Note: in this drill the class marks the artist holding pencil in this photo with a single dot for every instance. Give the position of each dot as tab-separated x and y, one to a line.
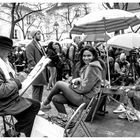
23	109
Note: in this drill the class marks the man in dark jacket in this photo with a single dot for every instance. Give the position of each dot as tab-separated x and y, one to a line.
23	109
34	53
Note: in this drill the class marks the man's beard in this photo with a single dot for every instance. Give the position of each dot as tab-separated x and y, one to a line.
38	39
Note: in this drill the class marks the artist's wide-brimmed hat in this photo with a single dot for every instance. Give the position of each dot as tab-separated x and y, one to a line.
6	43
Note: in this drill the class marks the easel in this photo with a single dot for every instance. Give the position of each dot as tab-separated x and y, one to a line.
40	66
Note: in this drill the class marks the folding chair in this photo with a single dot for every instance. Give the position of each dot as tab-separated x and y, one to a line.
88	112
94	105
8	125
78	119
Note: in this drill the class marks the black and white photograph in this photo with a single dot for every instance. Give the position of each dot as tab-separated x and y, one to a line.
70	69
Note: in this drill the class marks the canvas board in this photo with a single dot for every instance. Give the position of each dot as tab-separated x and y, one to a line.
40	66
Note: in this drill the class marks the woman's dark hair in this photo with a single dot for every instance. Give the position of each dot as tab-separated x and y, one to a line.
80	45
56	43
50	45
92	50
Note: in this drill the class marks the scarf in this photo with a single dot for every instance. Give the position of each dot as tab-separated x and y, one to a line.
6	68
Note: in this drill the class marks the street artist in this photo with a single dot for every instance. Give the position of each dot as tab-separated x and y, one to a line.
23	109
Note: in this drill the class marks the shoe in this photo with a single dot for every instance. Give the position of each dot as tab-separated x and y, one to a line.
137	113
63	117
48	106
46	102
122	116
131	116
119	109
41	112
128	115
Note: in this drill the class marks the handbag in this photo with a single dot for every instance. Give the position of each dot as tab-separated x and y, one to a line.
45	128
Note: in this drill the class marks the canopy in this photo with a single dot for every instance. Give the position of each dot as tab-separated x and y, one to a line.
105	21
127	41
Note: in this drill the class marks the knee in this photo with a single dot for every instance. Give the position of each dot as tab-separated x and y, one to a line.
58	99
59	83
54	99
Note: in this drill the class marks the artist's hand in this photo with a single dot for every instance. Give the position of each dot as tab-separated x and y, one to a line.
21	76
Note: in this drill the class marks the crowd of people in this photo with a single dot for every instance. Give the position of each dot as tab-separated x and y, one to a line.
86	64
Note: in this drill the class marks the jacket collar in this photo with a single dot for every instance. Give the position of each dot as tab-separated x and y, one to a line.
36	44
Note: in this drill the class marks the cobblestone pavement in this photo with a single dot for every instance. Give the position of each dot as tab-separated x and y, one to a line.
103	126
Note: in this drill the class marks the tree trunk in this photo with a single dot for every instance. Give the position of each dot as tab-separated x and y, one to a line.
12	30
70	35
12	21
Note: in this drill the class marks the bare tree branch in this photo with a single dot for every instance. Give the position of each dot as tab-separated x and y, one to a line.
5	13
5	20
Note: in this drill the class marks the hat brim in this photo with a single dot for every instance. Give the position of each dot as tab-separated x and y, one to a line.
6	48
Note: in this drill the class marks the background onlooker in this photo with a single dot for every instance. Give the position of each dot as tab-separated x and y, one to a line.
34	53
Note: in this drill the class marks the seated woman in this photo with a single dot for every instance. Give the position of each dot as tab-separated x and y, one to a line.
80	89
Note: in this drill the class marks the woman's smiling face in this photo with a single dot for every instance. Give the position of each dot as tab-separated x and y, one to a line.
87	57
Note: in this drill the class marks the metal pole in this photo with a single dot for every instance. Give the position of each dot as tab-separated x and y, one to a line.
108	67
57	34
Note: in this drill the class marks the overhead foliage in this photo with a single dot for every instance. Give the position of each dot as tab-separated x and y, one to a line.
19	11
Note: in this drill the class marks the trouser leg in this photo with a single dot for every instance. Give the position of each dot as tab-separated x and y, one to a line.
126	97
69	94
59	101
37	92
52	78
26	118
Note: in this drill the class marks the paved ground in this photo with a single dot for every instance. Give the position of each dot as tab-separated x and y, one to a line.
103	126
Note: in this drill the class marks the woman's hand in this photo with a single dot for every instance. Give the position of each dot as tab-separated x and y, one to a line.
75	80
75	83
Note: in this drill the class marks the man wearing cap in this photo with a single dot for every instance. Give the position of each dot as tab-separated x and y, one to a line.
23	109
122	65
34	53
